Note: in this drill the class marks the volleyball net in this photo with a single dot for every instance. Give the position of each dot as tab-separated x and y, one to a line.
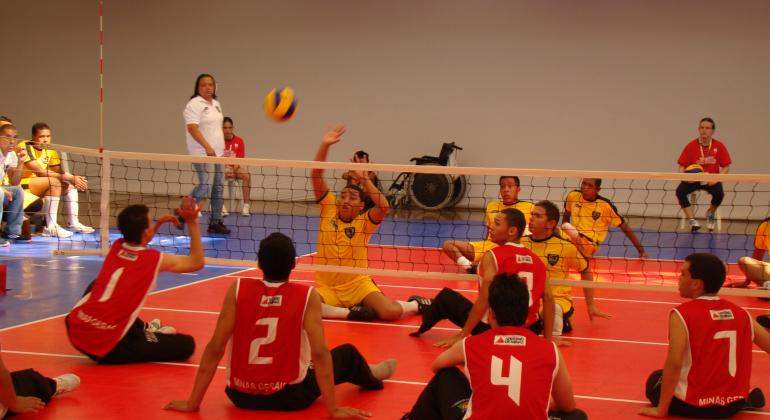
429	205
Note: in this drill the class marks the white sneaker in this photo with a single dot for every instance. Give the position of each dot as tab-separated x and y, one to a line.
155	326
79	227
66	383
711	221
225	213
246	210
56	230
570	231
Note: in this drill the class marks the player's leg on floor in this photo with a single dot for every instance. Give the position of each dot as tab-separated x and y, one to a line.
386	308
459	251
140	345
30	383
756	271
445	397
351	367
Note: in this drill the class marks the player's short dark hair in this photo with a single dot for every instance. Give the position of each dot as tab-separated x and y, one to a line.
551	211
514	177
228	120
361	193
509	300
708	268
276	256
39	126
515	218
198	80
709	119
597	182
6	119
132	221
7	127
361	154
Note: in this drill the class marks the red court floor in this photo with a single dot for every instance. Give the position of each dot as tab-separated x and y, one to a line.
609	359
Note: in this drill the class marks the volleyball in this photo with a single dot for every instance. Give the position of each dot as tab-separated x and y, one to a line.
281	104
694	169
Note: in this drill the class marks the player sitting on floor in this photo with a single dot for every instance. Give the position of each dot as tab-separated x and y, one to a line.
278	355
343	237
708	367
485	391
45	179
467	254
27	391
103	324
588	217
560	256
507	257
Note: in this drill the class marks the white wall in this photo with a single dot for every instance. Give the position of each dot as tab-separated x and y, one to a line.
607	85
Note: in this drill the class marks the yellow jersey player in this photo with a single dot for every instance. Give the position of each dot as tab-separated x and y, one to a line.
560	257
344	230
754	267
468	254
588	217
45	180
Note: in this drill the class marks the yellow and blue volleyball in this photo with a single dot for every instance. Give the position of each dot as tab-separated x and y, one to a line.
281	104
694	169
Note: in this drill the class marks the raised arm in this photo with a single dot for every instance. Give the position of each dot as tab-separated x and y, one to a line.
186	263
332	136
211	356
381	206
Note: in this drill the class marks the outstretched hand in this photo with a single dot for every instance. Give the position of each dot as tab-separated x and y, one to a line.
333	135
189	209
594	311
350	413
180	405
449	342
27	405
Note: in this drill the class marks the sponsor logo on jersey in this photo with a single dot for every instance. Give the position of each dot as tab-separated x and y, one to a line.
510	340
523	259
128	255
553	259
350	232
268	301
722	315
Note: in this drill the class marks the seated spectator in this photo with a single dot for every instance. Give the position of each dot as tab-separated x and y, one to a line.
11	194
45	180
234	147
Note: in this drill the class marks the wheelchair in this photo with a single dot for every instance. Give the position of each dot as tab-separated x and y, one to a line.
429	191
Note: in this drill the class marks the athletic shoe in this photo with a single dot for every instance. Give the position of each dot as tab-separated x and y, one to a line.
218	228
694	225
79	227
764	320
246	211
153	325
755	400
711	221
473	269
56	230
422	302
570	231
361	313
566	326
225	213
66	383
4	243
18	238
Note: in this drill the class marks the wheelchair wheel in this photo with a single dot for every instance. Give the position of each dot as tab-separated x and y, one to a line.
430	191
459	190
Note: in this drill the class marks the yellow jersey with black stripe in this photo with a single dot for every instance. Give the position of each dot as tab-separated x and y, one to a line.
45	158
592	218
762	238
342	243
495	207
560	257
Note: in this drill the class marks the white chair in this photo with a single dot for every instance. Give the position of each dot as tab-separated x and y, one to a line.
694	196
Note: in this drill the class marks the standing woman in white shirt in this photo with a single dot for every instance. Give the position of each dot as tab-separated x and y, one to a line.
203	118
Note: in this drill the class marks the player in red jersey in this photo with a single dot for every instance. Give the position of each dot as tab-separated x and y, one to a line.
276	331
104	323
508	369
507	257
708	367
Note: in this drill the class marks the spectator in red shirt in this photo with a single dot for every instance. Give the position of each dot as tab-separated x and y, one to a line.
714	158
234	147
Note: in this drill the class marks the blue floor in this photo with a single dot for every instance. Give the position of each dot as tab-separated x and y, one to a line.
43	286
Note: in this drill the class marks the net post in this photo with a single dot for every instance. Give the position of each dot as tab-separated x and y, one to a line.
104	204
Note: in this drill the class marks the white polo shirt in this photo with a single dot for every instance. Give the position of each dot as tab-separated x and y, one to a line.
209	118
7	163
